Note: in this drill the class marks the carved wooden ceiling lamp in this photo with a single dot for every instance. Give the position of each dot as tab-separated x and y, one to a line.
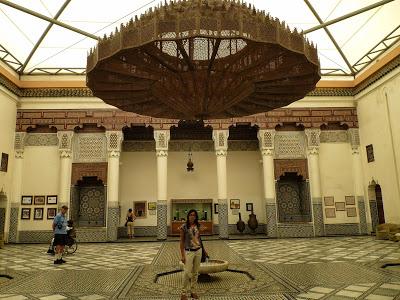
202	59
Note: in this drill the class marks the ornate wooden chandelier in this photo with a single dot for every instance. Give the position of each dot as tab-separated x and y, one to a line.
202	59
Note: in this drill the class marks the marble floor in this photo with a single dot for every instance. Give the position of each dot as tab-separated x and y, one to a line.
320	268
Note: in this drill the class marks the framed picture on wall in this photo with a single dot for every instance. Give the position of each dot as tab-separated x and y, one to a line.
330	212
329	201
51	213
215	208
351	212
152	205
26	200
25	213
139	208
235	204
38	214
4	162
249	206
350	200
52	199
39	200
340	206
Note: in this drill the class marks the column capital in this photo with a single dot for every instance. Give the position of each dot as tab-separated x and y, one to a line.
266	138
354	137
220	138
19	153
313	140
355	150
161	153
65	143
162	138
114	142
19	141
267	152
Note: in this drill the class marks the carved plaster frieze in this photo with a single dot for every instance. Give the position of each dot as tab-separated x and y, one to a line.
289	144
334	136
90	147
162	138
354	137
41	139
220	138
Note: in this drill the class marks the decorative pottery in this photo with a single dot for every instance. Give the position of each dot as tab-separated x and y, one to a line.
252	223
240	225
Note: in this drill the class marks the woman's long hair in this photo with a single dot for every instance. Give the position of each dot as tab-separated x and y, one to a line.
196	220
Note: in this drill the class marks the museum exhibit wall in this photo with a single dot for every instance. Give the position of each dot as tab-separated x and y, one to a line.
378	112
8	112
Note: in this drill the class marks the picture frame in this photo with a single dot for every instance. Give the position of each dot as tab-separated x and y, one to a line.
38	213
140	209
350	200
51	213
51	199
4	162
235	203
39	200
249	206
216	208
25	213
26	200
340	206
152	206
330	212
351	212
329	201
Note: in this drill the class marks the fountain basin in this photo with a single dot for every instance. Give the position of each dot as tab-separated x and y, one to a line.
212	266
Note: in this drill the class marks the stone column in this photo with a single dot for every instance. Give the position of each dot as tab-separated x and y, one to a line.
354	140
65	149
17	186
114	142
220	138
162	138
266	142
313	143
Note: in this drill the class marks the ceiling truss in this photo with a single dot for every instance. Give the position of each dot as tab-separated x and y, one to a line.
388	41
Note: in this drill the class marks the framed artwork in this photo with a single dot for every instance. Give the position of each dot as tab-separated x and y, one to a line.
330	212
340	206
215	208
235	204
249	206
152	205
139	208
38	213
51	213
329	201
52	199
350	200
370	153
25	213
39	200
26	200
4	162
235	211
351	212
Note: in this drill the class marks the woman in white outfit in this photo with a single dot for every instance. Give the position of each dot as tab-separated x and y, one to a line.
191	250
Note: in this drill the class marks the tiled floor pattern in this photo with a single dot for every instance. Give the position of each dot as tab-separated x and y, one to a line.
340	268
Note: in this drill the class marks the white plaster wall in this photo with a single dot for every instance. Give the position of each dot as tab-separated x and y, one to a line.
337	178
8	113
245	182
40	177
378	117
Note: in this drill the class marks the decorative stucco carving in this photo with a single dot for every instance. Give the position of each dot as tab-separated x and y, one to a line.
298	166
289	144
90	147
354	138
334	136
41	139
162	138
220	138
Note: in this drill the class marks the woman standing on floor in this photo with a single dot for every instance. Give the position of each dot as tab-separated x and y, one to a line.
130	217
191	250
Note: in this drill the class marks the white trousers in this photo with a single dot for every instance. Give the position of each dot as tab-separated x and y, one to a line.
191	270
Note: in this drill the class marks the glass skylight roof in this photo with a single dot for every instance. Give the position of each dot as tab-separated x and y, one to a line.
63	51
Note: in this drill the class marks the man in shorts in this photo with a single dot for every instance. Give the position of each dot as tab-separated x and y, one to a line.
60	234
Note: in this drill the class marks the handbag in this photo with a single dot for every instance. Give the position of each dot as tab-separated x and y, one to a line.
204	257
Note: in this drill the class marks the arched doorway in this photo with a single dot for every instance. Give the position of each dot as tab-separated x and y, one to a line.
379	204
293	199
89	202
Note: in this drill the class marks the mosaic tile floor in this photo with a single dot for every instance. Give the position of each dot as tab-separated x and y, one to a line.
340	268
